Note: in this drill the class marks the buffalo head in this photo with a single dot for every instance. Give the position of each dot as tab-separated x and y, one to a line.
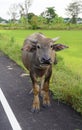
44	49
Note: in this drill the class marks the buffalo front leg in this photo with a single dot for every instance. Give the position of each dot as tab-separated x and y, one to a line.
36	102
45	89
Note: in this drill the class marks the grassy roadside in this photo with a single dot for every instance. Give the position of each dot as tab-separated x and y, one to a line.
11	48
65	83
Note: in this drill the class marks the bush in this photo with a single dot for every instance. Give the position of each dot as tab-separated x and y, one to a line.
35	24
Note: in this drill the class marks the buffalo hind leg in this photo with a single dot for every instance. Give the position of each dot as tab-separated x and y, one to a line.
46	97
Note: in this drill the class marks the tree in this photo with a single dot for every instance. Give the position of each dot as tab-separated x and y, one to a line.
34	22
13	12
58	20
73	10
23	11
49	14
30	15
24	8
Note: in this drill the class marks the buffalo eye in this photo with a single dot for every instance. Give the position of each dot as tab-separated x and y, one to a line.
51	46
38	46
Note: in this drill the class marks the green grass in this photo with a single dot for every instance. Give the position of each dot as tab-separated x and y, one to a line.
66	81
73	39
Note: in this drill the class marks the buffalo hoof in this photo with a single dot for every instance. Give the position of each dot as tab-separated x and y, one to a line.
33	110
46	105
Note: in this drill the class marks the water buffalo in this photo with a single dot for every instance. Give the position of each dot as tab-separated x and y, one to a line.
38	54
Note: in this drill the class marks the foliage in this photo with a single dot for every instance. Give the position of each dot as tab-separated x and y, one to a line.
34	22
49	14
23	22
58	20
30	15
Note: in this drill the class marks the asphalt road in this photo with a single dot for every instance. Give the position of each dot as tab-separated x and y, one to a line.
15	87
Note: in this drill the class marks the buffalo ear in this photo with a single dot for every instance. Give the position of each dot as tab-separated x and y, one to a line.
29	48
30	45
59	47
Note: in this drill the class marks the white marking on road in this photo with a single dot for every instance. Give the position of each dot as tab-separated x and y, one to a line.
9	67
12	119
24	74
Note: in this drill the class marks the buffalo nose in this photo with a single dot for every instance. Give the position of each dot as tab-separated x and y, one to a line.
46	60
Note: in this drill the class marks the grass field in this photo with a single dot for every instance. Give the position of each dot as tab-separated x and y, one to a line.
73	39
66	82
